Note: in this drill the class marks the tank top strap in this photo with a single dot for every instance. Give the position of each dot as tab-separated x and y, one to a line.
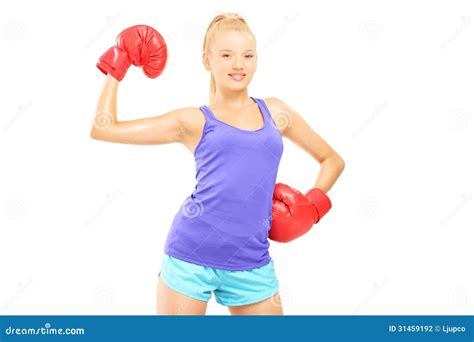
207	113
263	107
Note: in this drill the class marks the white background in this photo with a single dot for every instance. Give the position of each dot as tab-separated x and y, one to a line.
388	84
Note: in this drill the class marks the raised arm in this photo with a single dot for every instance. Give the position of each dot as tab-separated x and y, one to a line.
143	47
162	129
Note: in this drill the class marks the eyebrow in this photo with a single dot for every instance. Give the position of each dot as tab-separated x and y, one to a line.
231	50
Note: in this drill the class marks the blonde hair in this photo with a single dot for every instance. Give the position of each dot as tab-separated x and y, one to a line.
226	21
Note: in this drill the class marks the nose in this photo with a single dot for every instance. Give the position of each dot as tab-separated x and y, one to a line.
237	64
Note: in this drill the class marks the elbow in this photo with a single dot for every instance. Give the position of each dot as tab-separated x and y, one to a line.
336	162
342	164
94	135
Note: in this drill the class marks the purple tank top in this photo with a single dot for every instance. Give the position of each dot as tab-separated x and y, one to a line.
224	223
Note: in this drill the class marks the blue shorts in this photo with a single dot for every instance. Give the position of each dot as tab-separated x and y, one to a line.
231	288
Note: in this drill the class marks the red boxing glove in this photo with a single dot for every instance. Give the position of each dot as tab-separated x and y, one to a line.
139	45
320	201
293	214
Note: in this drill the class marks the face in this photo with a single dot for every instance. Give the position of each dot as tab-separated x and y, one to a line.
232	59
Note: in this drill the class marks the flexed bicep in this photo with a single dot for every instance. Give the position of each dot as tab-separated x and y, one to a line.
162	129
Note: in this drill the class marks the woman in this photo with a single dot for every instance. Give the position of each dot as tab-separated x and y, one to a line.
218	242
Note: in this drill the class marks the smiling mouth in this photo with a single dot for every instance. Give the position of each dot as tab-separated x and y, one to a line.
237	77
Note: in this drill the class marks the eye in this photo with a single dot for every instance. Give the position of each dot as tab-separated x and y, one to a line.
249	56
225	55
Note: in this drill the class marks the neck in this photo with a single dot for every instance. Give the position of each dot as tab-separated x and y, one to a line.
233	99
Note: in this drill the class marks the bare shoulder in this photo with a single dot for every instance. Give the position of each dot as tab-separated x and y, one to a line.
192	122
280	112
271	102
294	127
182	122
190	117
